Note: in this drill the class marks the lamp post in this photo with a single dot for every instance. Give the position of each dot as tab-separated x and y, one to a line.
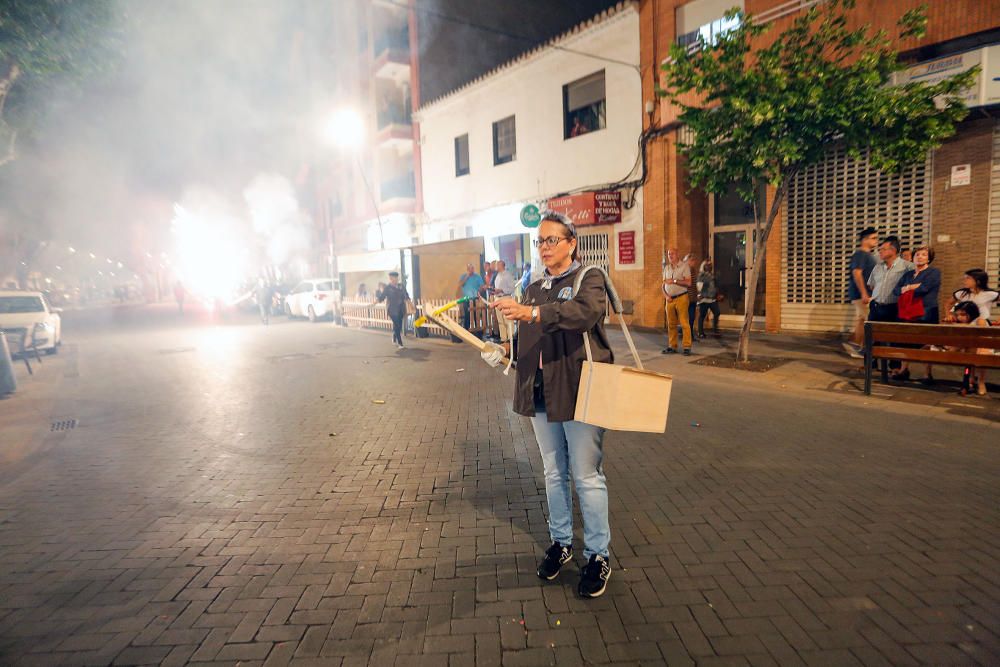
346	129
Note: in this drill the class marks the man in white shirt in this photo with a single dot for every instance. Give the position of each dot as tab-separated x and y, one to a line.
504	286
676	280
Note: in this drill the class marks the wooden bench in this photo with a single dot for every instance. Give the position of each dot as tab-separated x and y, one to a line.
880	336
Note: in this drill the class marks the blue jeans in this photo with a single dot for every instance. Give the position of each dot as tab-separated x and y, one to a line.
574	447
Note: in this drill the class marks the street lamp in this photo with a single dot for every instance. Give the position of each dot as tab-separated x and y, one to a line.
345	128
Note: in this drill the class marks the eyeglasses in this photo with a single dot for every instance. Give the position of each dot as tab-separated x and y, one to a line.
550	241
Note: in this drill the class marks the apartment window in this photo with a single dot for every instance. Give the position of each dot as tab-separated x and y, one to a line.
462	155
504	141
584	106
700	23
709	33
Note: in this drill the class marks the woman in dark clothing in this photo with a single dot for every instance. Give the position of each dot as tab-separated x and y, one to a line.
550	354
925	282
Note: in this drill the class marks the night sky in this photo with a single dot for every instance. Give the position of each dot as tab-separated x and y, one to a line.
211	94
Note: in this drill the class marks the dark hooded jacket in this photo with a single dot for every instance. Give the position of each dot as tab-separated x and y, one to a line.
557	338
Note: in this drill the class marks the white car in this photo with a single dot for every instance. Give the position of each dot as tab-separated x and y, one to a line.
28	313
314	298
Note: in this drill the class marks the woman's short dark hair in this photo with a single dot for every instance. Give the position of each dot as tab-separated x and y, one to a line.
554	216
969	308
930	253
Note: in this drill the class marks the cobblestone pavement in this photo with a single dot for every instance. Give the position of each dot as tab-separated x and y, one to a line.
236	495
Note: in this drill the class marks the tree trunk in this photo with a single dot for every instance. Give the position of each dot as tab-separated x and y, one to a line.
13	73
759	253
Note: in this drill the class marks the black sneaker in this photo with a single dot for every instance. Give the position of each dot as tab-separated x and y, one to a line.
555	557
687	351
594	578
668	350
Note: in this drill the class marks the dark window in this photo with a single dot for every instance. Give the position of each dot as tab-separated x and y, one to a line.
462	155
325	286
504	141
584	106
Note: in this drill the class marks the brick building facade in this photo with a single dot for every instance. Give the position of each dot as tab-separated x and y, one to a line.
807	252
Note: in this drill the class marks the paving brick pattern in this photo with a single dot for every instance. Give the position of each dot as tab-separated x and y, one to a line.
230	506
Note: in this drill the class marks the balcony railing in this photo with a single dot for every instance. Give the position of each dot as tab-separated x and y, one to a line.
393	115
398	188
397	39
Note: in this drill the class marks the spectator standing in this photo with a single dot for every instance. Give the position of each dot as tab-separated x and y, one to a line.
179	294
860	269
362	291
264	295
396	298
469	284
504	286
692	262
917	292
883	280
676	280
708	293
924	281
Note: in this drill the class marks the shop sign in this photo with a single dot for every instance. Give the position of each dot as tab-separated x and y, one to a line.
626	247
530	216
985	88
589	208
607	207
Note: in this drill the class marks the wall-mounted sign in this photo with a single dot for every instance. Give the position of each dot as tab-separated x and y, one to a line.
961	174
530	216
984	90
626	247
590	208
607	207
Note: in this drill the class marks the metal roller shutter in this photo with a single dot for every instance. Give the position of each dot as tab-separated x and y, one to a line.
594	250
993	226
827	204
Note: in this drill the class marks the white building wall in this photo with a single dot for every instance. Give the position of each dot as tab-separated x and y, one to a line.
546	164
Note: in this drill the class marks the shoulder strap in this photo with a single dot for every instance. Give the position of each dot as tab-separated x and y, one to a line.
616	305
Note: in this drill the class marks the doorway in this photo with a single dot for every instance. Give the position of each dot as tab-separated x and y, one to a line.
732	236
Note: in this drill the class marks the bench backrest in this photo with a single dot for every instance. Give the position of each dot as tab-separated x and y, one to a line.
956	335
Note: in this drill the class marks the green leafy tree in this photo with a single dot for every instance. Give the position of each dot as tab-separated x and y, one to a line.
762	113
42	41
48	49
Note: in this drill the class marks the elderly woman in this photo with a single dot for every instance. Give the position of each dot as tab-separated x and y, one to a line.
924	281
550	354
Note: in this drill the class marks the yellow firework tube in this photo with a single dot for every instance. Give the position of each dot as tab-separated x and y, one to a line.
422	320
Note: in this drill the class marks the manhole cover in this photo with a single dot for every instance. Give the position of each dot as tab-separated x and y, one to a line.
63	425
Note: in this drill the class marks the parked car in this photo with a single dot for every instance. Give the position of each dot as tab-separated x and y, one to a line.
314	298
29	314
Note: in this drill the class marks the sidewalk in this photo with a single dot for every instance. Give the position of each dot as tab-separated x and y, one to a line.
807	365
31	405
